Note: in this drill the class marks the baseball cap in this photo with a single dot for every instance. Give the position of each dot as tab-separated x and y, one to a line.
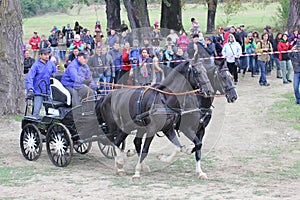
44	50
83	53
195	35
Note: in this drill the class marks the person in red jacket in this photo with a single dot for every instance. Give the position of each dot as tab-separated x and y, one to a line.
126	66
285	61
34	42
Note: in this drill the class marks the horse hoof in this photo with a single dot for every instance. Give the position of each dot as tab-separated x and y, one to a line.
185	150
162	158
131	152
202	176
121	173
136	178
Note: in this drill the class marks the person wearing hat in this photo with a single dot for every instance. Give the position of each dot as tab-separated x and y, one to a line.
77	78
194	46
295	57
37	80
77	43
53	39
34	41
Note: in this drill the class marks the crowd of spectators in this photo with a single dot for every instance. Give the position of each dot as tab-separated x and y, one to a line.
120	57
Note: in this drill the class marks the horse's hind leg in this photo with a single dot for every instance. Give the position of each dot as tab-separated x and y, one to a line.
119	158
199	172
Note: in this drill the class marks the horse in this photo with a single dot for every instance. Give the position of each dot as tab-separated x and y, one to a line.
221	81
151	109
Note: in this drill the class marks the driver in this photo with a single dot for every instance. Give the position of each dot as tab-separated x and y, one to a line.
77	78
37	80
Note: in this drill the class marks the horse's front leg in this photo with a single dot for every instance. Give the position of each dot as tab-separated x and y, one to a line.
199	172
140	165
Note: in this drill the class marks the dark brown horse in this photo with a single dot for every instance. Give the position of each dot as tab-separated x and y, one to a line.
150	110
221	81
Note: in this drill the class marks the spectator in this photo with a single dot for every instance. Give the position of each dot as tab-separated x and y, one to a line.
268	30
194	46
77	79
177	57
211	49
112	38
158	74
294	37
144	70
34	42
69	35
263	46
149	47
250	47
156	37
53	39
77	28
125	37
277	39
125	64
98	38
44	42
285	61
89	42
182	42
117	61
168	55
195	29
28	62
62	47
97	27
173	35
77	43
133	57
232	50
295	57
42	69
72	55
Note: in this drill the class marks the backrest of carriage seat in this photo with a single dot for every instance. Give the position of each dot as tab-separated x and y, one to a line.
59	92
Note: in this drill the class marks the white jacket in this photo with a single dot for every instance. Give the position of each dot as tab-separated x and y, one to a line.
232	50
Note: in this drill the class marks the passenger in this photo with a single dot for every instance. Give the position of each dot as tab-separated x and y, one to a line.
77	79
40	71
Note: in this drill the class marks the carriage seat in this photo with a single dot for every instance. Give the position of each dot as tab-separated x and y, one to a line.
60	96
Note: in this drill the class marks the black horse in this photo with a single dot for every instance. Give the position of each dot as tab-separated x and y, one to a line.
221	81
151	109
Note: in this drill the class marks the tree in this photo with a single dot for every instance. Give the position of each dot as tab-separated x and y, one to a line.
11	65
137	12
294	15
113	13
171	17
211	15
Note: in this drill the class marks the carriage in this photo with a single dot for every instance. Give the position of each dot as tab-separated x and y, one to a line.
63	128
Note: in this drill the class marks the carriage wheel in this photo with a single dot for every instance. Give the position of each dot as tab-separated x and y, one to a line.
31	142
107	149
59	145
83	148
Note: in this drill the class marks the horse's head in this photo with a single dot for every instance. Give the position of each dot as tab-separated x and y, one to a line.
222	82
198	76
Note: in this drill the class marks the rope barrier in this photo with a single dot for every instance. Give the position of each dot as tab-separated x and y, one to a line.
201	59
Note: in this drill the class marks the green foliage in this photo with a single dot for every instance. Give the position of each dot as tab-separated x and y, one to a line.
231	8
281	16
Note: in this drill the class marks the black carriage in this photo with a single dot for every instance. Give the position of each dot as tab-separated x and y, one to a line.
64	128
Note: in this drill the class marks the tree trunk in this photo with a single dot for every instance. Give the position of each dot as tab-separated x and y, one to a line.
11	60
113	14
137	12
171	17
211	14
294	15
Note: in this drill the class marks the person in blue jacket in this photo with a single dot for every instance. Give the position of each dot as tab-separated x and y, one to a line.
37	80
77	79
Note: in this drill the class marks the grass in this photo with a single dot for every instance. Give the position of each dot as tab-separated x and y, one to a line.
20	176
253	18
286	111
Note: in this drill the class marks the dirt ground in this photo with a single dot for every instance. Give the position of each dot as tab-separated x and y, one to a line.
246	155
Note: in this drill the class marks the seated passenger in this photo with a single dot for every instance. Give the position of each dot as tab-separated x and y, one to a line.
77	79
